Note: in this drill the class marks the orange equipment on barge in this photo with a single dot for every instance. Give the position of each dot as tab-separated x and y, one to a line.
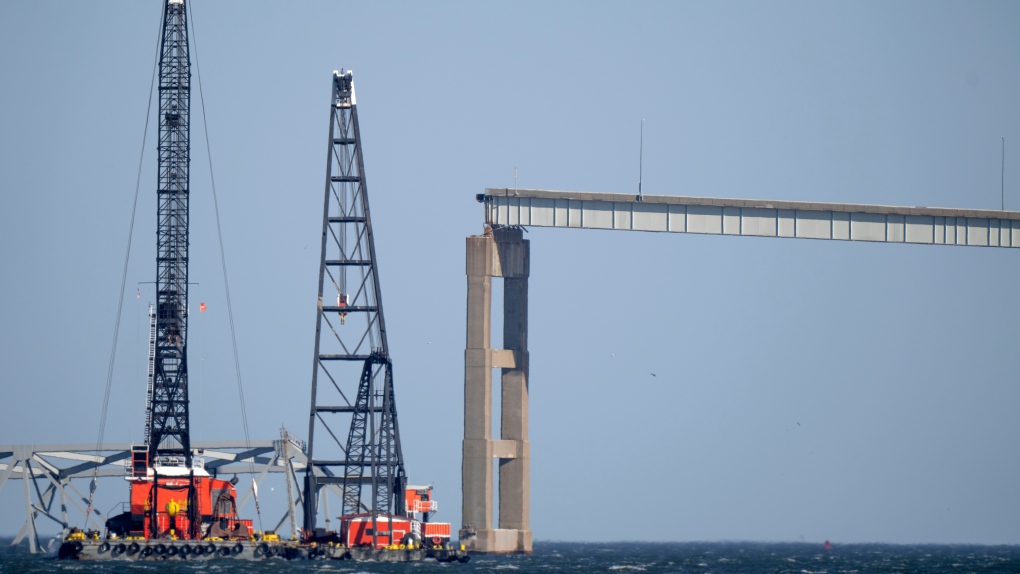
383	531
162	494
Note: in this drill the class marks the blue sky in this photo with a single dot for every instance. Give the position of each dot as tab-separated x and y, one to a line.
804	390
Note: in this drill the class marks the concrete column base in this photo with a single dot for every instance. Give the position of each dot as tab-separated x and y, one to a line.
496	541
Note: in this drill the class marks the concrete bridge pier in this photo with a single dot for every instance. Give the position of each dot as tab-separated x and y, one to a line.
500	252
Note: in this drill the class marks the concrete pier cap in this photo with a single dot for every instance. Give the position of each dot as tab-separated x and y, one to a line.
499	252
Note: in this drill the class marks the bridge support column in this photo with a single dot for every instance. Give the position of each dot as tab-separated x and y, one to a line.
498	253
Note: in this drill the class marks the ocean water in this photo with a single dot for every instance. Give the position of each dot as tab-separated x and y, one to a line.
610	558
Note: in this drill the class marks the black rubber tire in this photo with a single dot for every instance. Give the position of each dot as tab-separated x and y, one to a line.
210	549
199	550
464	559
78	546
262	550
119	549
185	550
159	550
133	548
237	549
105	546
224	551
147	551
171	551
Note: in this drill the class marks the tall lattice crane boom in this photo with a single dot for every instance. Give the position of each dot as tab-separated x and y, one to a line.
170	432
169	440
353	437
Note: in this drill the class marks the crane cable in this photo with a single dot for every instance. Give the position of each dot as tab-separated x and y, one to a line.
123	282
223	262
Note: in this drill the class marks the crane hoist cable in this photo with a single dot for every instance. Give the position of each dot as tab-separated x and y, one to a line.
223	263
123	282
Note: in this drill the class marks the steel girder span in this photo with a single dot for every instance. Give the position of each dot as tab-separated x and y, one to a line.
55	478
502	252
758	218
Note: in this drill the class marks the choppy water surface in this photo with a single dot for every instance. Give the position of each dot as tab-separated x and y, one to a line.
614	558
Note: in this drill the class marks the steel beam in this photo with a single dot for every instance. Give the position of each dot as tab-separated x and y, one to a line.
33	536
751	217
84	449
6	470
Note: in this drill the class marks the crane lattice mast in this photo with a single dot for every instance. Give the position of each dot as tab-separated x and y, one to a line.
170	429
351	444
169	439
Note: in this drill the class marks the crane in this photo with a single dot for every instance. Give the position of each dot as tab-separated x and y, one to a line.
170	429
351	353
172	495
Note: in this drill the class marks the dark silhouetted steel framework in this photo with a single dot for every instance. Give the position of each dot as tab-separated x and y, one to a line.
170	432
170	429
353	436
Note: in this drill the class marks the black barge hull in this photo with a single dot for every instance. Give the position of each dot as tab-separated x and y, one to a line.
181	550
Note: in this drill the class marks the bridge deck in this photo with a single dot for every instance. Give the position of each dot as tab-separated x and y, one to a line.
749	217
